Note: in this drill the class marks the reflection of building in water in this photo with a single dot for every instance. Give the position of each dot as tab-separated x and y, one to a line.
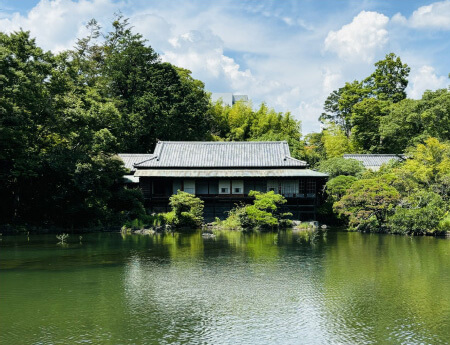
223	173
228	98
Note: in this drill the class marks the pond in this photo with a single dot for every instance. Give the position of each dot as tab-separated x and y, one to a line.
285	288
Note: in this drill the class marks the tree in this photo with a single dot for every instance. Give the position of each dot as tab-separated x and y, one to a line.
387	84
410	122
187	210
401	126
389	80
366	119
263	214
335	142
428	166
156	100
338	186
241	123
341	166
367	204
339	105
420	214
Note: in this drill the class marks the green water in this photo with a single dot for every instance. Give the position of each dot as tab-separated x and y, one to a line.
287	288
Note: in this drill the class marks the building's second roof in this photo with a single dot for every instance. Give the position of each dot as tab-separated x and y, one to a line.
374	160
129	159
219	154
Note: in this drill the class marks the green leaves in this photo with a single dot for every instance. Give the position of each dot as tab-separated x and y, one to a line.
341	166
359	107
367	204
263	214
187	210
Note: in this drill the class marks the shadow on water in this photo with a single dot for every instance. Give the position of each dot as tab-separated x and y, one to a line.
259	288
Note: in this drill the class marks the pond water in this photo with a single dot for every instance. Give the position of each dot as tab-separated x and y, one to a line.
286	288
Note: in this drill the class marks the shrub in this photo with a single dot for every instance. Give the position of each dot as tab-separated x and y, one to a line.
367	204
338	186
187	210
444	224
262	215
418	214
130	202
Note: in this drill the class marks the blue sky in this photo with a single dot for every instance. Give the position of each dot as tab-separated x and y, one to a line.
290	54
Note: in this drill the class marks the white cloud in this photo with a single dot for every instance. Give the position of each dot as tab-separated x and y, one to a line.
202	52
361	39
57	24
424	79
433	16
267	50
331	81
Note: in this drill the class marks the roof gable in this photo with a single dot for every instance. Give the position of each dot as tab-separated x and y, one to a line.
219	154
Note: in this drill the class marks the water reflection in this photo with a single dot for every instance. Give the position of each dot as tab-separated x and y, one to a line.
277	288
234	289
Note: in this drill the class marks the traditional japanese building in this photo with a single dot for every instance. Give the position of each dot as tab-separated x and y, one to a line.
223	173
375	161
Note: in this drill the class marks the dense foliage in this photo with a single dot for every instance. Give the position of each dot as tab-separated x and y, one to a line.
241	123
187	211
337	166
411	197
263	214
64	117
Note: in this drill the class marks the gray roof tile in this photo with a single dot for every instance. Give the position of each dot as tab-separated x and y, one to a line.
220	154
129	159
374	160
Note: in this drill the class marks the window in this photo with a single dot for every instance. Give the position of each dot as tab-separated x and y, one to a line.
224	186
311	188
176	186
302	187
289	188
213	187
202	187
238	186
272	185
189	186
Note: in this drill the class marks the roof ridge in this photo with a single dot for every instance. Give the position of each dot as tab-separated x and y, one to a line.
374	154
222	142
147	160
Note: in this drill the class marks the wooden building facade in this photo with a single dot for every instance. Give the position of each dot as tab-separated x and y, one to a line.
223	173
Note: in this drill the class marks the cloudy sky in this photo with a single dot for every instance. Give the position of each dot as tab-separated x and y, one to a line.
290	54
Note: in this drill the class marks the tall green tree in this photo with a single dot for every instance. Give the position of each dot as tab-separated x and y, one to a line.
389	80
387	84
366	118
156	100
339	105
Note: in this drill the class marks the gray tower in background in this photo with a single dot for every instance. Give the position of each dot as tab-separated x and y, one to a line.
228	98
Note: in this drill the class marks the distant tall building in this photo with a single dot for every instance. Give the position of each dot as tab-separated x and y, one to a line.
228	98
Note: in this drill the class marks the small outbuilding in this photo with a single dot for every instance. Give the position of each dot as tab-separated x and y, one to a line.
375	161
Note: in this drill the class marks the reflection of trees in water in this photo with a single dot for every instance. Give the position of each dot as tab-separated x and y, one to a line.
390	288
244	288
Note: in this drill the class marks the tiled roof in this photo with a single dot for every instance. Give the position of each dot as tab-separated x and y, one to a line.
219	154
129	159
229	173
374	160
